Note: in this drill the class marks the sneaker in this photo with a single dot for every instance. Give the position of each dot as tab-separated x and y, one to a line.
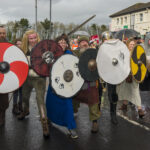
73	134
94	127
23	115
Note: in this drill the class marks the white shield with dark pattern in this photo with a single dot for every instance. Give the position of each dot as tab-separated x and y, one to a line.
113	61
65	78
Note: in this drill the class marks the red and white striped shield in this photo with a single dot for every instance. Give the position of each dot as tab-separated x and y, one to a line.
13	67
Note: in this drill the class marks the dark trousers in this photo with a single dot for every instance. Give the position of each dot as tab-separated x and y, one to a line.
112	95
17	94
4	102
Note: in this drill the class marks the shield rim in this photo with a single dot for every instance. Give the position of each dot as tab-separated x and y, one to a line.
111	40
50	80
41	56
138	67
96	51
27	64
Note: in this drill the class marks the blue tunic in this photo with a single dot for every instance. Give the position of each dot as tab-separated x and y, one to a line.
60	110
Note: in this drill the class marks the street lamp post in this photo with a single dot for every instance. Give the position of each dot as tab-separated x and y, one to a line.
50	17
35	15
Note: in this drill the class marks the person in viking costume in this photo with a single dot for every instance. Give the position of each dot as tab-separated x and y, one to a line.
17	95
89	93
128	90
146	44
30	39
3	97
112	95
60	110
145	85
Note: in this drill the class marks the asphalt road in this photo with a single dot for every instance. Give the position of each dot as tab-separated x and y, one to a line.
132	133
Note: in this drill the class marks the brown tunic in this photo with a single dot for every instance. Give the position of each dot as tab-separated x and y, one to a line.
89	96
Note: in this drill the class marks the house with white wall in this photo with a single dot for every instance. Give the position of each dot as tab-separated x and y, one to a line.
135	17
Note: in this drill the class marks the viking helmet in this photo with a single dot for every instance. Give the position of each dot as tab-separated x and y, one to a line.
106	36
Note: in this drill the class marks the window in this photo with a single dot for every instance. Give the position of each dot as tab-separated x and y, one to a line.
141	17
132	19
125	19
121	20
117	20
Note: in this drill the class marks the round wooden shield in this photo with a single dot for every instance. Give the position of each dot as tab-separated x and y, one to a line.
13	67
43	55
88	66
113	61
138	63
65	78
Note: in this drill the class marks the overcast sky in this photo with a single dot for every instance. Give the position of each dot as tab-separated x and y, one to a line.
65	11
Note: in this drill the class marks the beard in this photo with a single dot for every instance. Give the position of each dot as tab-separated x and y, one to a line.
3	40
82	50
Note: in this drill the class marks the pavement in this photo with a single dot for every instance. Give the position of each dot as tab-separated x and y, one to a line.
132	133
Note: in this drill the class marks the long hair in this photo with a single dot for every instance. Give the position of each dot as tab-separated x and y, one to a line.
129	40
25	42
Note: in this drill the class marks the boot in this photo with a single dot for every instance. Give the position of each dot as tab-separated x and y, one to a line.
113	113
94	126
141	113
123	107
15	109
23	114
2	117
45	127
20	107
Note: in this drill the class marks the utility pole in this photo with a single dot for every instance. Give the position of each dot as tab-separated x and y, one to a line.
35	15
50	17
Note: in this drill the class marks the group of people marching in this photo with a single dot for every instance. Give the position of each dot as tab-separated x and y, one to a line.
61	110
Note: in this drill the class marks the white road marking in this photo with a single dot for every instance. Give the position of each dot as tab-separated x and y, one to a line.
134	122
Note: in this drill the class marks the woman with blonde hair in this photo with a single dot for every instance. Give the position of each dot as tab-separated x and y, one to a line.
128	90
30	39
25	42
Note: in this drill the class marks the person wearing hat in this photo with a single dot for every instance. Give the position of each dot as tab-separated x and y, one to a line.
83	42
89	93
111	89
